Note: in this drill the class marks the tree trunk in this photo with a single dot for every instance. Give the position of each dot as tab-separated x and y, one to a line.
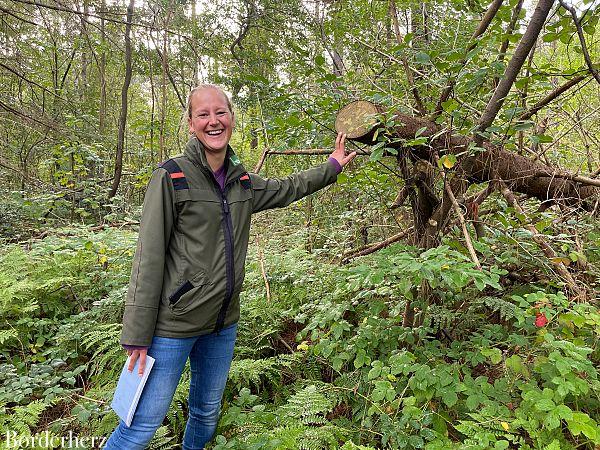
124	92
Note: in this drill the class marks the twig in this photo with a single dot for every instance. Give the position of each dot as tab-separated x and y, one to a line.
22	19
463	225
261	161
461	219
586	54
261	259
280	339
303	151
107	19
407	69
568	176
400	198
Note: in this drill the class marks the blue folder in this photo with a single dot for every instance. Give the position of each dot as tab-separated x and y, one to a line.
129	390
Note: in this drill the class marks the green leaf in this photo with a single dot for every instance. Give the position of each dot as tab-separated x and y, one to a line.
319	60
494	354
449	398
522	126
565	36
450	105
514	363
564	412
472	401
337	363
422	58
545	404
420	131
361	358
521	83
376	154
552	420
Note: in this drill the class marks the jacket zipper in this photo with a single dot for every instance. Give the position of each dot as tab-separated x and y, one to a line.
229	263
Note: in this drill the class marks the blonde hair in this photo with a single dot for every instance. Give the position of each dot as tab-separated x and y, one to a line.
201	87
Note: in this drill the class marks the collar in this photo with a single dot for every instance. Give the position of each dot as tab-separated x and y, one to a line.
194	151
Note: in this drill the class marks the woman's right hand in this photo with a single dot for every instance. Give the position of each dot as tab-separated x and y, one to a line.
135	354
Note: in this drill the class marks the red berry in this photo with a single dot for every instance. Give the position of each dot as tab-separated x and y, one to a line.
540	320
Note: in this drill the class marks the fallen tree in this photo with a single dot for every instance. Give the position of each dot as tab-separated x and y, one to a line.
533	178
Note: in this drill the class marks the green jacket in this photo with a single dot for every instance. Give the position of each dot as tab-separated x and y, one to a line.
189	263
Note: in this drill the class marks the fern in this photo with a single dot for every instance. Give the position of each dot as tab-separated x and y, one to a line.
23	419
309	406
246	372
7	335
505	308
352	446
179	406
107	354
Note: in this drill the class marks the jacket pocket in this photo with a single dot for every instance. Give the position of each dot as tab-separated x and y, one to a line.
188	293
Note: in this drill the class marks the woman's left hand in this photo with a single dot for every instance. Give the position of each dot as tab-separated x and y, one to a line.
339	154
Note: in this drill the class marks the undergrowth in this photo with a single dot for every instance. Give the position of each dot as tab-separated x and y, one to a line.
324	361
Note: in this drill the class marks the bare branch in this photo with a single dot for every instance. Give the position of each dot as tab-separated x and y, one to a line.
87	14
539	239
463	224
27	80
261	161
374	247
22	19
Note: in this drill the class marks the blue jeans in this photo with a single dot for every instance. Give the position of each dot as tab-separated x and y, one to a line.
210	358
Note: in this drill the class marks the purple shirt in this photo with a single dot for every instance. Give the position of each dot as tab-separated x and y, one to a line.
220	176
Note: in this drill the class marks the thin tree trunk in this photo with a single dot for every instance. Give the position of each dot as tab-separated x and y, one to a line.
124	93
513	68
163	86
102	70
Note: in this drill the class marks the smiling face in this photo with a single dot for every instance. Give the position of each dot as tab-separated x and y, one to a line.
211	119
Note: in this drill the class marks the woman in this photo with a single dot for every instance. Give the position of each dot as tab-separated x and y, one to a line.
183	298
